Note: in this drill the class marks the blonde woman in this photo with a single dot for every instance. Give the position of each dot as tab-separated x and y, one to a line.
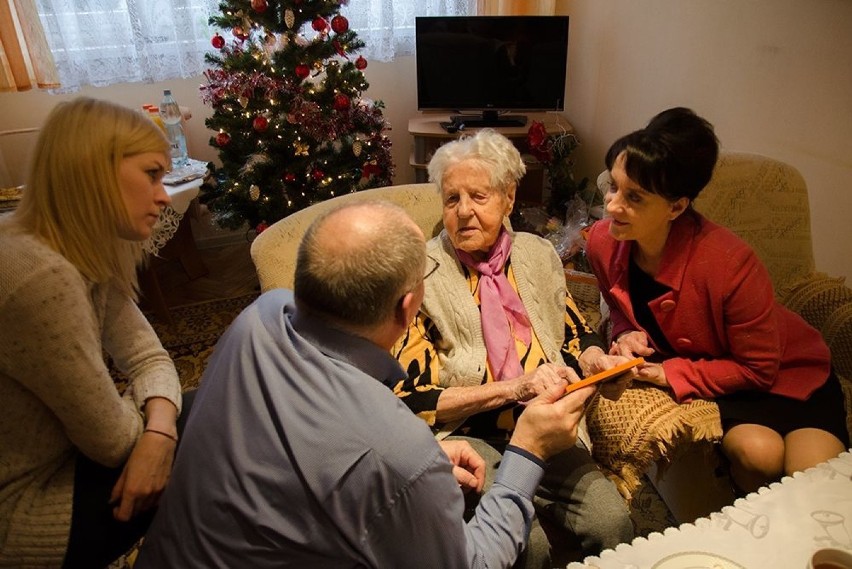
82	464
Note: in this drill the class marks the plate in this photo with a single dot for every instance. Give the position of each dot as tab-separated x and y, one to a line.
696	560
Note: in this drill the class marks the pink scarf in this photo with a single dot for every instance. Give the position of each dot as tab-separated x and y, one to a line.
501	309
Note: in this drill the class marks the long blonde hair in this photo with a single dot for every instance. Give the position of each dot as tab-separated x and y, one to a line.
73	201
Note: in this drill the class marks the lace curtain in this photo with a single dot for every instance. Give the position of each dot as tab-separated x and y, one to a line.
101	42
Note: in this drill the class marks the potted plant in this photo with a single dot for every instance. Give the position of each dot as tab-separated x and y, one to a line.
553	151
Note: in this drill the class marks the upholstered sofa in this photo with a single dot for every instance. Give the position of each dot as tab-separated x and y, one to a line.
765	202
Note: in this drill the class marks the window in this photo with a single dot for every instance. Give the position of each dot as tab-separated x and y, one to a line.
101	42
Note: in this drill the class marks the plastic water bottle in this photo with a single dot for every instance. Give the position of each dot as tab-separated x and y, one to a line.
170	113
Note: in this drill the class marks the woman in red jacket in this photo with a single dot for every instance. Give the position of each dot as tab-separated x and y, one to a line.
693	299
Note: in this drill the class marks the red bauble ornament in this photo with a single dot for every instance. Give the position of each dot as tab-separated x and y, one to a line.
239	33
259	6
289	177
339	24
370	169
302	71
341	102
218	41
361	63
339	49
319	24
317	174
261	227
222	139
260	124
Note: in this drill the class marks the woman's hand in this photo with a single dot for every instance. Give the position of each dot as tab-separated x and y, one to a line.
653	374
468	466
144	476
150	464
541	379
593	360
631	344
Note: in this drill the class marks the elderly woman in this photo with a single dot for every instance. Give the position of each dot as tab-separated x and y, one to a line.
496	328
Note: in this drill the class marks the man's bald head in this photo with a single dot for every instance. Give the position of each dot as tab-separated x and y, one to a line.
356	261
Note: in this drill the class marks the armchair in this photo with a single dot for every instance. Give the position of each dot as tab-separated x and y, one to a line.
274	251
765	202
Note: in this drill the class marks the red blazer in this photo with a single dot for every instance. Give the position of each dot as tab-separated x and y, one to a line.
720	317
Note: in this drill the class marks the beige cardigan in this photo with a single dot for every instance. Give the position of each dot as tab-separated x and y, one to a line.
541	286
57	395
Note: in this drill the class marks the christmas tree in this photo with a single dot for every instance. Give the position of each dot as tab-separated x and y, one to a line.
292	127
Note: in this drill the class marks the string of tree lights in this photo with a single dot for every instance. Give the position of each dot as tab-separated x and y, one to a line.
292	128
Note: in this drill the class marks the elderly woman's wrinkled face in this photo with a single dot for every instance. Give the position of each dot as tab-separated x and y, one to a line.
473	210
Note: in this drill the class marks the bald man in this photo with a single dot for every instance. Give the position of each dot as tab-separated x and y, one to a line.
298	454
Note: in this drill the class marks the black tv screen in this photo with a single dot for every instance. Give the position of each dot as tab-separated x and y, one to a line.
491	64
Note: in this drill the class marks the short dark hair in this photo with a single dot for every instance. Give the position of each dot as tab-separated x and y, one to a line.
673	156
362	287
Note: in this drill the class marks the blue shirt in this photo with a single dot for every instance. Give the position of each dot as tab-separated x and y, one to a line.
297	454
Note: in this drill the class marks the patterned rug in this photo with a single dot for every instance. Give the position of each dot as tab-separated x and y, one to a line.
193	333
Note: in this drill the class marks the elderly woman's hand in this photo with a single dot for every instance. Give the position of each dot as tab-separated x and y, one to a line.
594	360
632	344
541	379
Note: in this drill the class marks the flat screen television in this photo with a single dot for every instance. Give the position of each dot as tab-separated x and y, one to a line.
484	66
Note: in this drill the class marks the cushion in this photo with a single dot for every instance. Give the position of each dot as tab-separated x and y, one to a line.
275	250
826	304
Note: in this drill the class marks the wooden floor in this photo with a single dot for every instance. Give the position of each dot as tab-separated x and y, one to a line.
230	273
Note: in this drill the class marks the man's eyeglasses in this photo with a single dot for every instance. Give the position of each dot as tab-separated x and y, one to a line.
432	265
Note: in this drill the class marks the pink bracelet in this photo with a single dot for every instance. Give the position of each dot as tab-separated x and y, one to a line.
167	435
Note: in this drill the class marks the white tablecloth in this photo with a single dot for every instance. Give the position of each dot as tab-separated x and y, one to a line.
167	226
778	527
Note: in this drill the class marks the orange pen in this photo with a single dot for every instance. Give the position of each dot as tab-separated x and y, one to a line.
610	373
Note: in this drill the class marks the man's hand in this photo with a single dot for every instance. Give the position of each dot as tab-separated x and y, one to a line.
548	425
468	466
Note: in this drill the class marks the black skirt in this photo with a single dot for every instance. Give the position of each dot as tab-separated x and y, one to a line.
824	409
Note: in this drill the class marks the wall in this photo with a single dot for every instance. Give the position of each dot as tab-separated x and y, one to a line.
772	75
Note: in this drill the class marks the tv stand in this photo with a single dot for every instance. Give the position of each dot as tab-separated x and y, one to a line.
489	119
429	131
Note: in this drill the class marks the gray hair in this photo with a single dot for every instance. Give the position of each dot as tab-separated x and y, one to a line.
358	279
493	151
